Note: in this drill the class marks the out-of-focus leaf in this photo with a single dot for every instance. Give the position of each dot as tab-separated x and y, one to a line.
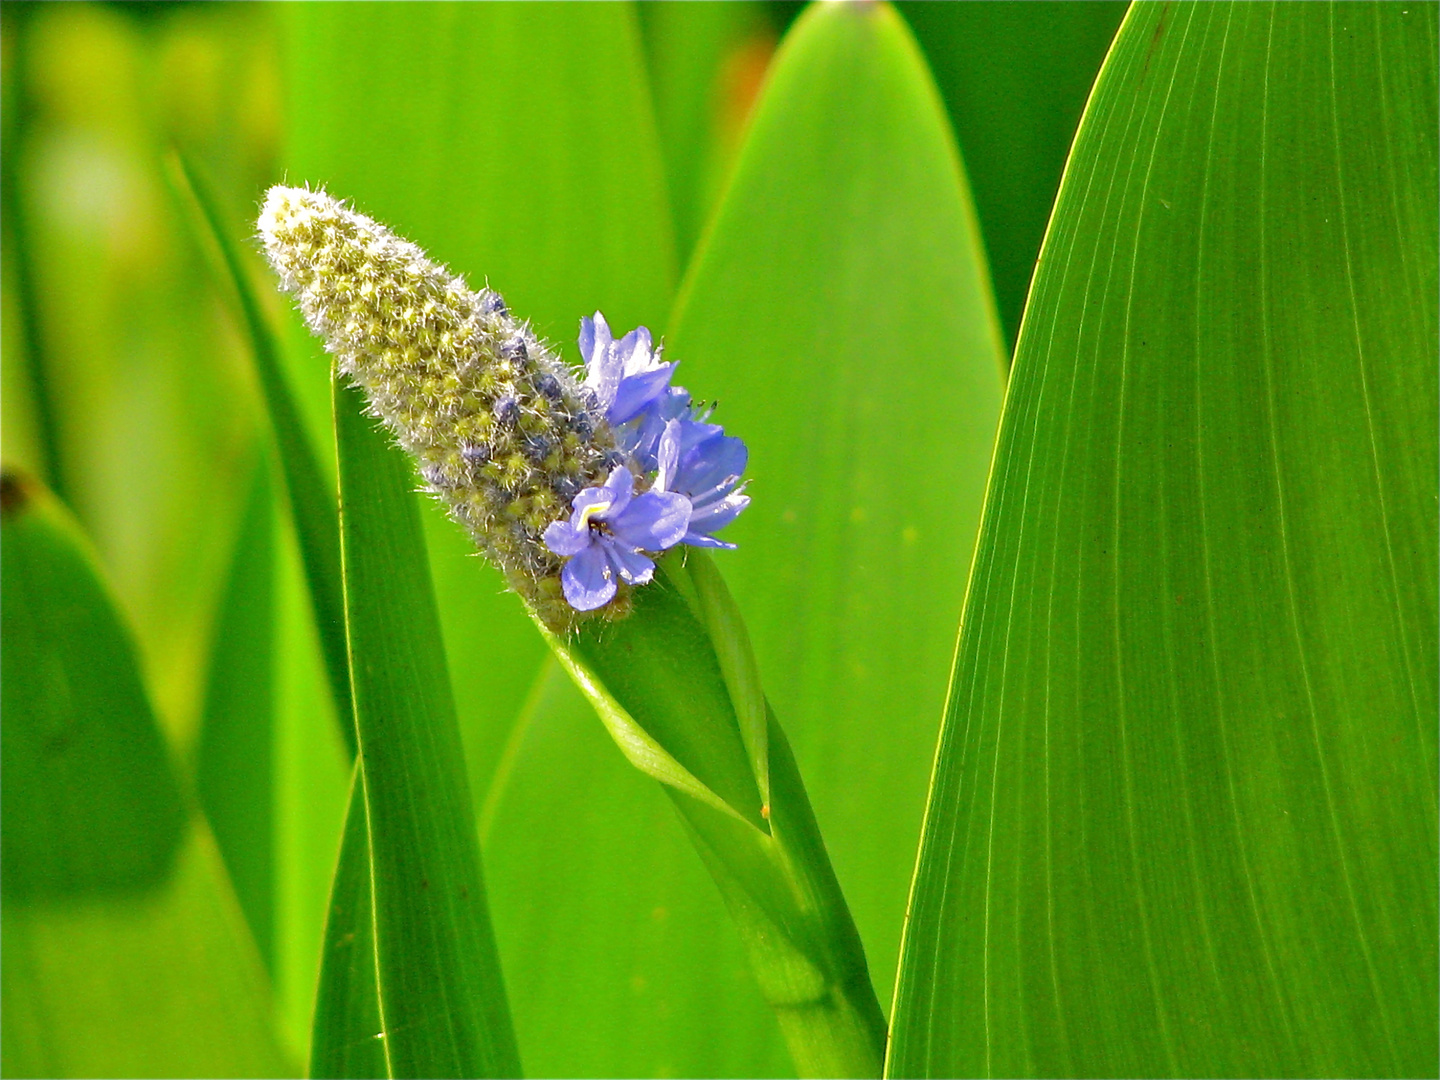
234	759
125	953
706	63
307	737
840	315
24	354
348	1038
312	504
1183	819
151	399
442	1000
1015	78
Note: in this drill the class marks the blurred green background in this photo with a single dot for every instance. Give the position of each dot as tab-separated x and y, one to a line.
576	156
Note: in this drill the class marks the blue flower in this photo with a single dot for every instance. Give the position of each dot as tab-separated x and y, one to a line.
698	460
662	430
608	533
626	376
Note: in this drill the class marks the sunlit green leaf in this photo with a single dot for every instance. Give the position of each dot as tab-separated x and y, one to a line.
1184	814
840	316
442	1000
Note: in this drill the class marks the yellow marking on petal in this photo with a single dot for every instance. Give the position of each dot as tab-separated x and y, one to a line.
591	511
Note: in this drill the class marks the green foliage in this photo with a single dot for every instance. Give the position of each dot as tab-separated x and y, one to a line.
1183	819
1183	815
441	998
235	752
862	361
124	950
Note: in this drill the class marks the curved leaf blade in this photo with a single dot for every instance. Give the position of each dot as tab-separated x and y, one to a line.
442	1000
839	312
1183	817
349	1037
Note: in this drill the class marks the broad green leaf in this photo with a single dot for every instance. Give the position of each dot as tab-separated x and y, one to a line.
234	758
1183	819
349	1039
839	313
1014	78
442	1000
125	953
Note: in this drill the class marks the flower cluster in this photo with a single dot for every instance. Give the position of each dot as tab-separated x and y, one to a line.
503	431
696	469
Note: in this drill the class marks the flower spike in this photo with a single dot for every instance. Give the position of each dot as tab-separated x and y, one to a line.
554	479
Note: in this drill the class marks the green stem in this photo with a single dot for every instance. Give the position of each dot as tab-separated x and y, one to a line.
796	927
678	686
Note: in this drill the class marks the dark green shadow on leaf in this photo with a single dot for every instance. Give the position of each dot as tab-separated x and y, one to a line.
125	951
91	806
234	758
1015	78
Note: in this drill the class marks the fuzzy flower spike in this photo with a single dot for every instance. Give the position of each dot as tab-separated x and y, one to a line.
560	483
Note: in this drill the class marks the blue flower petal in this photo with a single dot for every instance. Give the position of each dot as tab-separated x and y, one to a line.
624	348
711	518
654	521
667	456
634	392
563	538
587	337
716	462
592	502
619	489
588	579
633	566
695	539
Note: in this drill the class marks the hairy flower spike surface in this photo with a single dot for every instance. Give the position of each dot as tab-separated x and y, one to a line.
499	427
569	487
